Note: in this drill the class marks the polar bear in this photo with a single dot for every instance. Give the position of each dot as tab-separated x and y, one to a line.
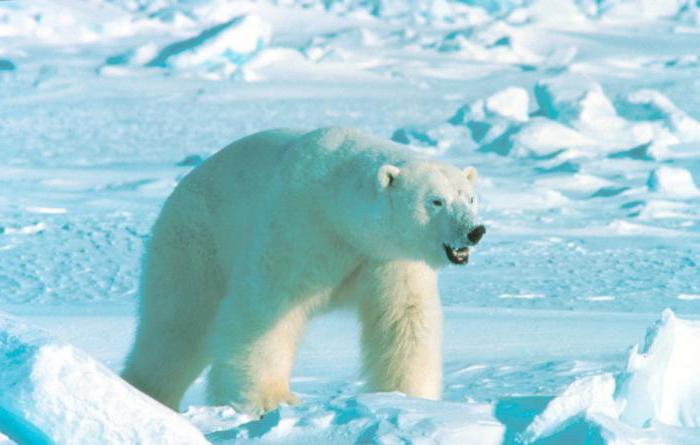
282	225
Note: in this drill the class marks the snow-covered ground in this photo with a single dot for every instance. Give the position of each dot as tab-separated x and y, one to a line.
583	118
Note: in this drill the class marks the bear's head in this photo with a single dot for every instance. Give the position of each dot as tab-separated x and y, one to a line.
431	210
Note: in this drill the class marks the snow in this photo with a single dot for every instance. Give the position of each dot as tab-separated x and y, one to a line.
218	51
52	392
582	117
369	418
511	103
522	296
544	137
575	100
658	391
489	351
672	181
590	394
661	381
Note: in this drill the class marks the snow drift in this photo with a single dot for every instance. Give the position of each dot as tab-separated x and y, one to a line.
655	400
52	393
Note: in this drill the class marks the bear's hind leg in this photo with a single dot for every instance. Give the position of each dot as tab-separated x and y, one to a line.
163	364
251	369
181	289
401	329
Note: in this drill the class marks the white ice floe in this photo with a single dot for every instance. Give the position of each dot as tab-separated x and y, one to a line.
662	382
650	105
53	393
577	182
245	35
586	395
655	400
647	9
543	137
577	101
662	209
673	181
511	103
217	52
271	62
574	113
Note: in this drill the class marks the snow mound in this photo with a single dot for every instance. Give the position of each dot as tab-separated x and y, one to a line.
219	51
501	123
573	113
493	41
655	400
578	102
626	9
48	23
369	418
650	105
543	137
53	393
493	121
662	380
512	103
434	141
673	181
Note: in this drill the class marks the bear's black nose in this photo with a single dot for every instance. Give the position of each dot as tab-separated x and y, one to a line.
476	234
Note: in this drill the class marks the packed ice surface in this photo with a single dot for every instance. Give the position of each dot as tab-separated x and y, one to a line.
53	393
655	399
367	418
493	383
581	117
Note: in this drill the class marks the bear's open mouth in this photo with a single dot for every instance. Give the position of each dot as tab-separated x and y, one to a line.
459	255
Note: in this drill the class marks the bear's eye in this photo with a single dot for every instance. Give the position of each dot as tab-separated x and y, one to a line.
471	200
438	202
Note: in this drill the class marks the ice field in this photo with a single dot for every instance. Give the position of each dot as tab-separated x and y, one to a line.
582	117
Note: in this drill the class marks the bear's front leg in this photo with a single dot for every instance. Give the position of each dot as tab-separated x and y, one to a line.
253	358
401	329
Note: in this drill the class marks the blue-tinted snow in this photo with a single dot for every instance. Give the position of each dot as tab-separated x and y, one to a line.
53	393
581	116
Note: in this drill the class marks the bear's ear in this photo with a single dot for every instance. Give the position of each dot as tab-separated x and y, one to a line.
471	174
386	175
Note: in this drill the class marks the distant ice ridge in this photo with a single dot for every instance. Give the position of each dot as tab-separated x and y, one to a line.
656	400
615	9
379	8
654	9
574	114
52	393
218	52
490	31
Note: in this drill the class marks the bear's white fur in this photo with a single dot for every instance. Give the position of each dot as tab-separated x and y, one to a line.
284	224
